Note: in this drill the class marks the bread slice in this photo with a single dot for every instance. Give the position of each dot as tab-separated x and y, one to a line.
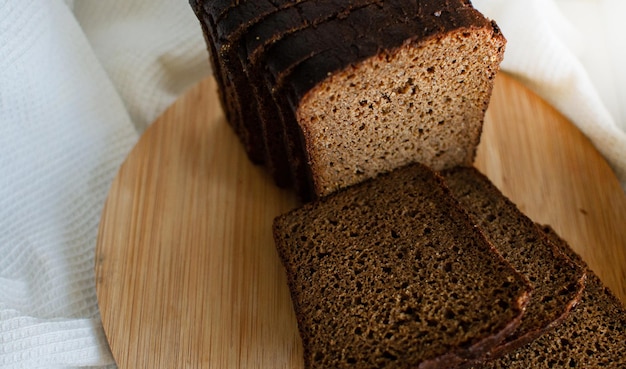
294	48
403	82
390	273
557	281
310	14
231	26
593	336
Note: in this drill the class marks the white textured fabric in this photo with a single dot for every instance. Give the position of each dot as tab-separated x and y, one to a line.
81	79
557	57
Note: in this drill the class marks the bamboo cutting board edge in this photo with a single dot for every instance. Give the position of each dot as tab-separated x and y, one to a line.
186	273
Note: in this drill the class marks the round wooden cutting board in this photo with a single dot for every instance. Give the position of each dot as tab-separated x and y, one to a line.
187	275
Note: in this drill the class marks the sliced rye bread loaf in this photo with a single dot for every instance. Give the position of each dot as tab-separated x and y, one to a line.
404	26
557	281
390	273
339	98
593	336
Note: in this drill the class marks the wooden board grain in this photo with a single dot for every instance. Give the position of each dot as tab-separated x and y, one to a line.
186	271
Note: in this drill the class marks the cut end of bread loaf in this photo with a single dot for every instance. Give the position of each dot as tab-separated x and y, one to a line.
421	102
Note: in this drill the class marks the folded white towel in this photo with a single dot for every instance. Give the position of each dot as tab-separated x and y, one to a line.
80	81
555	56
78	84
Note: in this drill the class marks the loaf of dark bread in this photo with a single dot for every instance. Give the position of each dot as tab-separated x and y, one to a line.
557	281
390	273
593	336
343	91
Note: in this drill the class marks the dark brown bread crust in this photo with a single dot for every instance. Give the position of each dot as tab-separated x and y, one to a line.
557	281
223	23
390	273
237	19
250	138
232	26
218	8
213	55
382	26
266	114
229	21
593	336
246	9
232	36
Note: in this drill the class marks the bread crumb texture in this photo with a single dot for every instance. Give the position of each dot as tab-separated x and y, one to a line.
421	102
390	273
557	281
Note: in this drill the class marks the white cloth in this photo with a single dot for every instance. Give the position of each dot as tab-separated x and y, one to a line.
572	52
80	80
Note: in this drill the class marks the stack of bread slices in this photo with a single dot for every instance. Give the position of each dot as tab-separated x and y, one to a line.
424	269
404	255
